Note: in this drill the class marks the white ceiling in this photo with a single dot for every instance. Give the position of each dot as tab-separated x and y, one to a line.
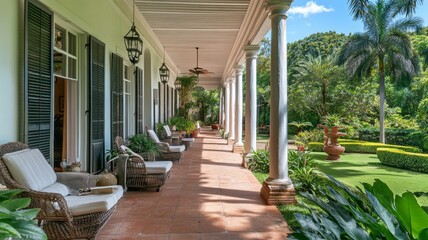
220	28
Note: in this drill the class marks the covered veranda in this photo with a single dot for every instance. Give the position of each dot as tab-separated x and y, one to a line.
208	196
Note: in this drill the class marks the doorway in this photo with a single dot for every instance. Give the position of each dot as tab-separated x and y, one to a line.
60	121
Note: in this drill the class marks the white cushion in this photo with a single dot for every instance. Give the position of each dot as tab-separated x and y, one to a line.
153	135
57	188
167	130
30	169
158	167
188	139
179	148
91	203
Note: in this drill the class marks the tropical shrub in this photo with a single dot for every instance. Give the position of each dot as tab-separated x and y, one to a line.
141	143
302	171
17	222
362	147
259	161
405	160
372	213
315	135
408	137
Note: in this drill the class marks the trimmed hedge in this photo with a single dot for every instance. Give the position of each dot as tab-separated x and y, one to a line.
405	160
362	147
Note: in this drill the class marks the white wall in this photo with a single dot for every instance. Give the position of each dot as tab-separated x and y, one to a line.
100	18
10	75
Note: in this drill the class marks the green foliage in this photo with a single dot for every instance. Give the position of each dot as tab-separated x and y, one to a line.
182	124
362	147
422	115
323	44
188	83
259	161
17	222
142	143
409	137
299	126
302	171
372	213
314	135
404	160
207	105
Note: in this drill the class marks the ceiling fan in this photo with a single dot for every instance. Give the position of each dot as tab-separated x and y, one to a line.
198	70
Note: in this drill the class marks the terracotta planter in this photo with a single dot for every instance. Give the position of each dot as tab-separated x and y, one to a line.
195	133
301	148
214	126
333	152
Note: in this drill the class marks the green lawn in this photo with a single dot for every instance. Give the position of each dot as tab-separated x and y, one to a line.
354	168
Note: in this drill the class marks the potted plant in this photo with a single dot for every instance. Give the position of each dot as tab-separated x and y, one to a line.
141	143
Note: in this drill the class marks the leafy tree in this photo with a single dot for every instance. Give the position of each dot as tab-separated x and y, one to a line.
323	44
207	103
384	39
319	71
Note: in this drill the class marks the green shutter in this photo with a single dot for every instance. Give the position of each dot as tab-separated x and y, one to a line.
96	106
116	97
38	78
139	101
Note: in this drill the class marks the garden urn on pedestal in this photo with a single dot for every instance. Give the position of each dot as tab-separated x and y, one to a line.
331	145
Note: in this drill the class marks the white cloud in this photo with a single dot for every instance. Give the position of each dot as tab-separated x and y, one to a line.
311	7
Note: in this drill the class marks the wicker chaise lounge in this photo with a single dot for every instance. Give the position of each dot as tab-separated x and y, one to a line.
137	173
63	214
168	152
187	142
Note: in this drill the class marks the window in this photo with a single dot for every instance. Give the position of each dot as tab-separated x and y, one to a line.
65	53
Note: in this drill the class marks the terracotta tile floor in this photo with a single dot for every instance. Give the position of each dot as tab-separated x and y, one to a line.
208	196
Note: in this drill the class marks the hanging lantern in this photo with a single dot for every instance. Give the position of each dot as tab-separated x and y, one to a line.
163	70
133	42
177	84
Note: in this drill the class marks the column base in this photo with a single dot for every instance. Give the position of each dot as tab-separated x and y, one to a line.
246	157
238	147
278	193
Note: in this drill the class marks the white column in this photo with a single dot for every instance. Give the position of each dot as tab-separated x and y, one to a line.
251	98
220	108
226	107
232	110
278	188
238	107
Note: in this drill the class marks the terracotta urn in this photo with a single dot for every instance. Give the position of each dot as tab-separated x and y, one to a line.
333	151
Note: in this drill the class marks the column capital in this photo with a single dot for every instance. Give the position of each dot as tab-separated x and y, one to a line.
231	80
251	50
239	69
278	7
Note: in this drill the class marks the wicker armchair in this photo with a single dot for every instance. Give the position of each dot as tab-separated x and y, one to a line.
62	216
137	173
168	152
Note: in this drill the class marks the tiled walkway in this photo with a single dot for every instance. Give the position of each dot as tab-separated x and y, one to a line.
208	196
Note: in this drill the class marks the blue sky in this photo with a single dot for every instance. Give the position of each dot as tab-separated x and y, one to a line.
308	17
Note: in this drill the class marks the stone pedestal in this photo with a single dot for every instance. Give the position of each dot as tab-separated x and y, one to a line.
278	193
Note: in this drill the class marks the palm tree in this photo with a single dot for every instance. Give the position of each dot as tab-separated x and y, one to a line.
384	40
319	71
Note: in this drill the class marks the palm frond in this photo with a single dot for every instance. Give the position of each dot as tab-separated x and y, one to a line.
407	24
406	7
358	8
